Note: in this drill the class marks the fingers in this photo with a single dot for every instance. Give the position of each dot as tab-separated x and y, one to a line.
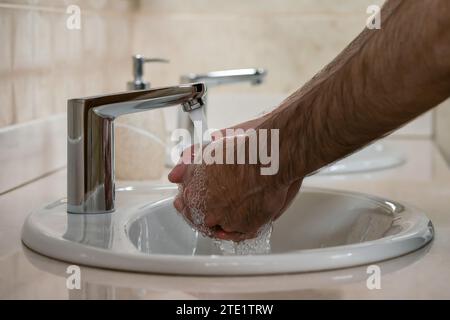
182	172
230	236
247	219
182	208
211	221
221	234
177	173
178	204
240	225
211	225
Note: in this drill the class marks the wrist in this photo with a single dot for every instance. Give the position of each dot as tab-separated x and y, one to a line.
295	157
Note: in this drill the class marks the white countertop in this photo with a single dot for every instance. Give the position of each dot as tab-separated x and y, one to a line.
424	182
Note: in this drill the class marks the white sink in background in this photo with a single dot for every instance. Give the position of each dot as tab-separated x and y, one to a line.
322	230
377	156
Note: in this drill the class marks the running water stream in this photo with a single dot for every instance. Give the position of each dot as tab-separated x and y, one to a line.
198	119
258	245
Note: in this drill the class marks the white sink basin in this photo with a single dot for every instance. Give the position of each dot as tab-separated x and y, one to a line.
375	157
323	229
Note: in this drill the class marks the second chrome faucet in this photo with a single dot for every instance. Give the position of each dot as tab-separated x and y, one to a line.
254	76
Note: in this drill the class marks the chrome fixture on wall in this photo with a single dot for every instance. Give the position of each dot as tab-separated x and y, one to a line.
138	72
255	76
90	140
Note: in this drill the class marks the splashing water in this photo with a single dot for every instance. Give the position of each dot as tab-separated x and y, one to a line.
197	205
258	245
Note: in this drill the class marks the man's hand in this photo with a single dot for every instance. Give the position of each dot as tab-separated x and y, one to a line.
229	201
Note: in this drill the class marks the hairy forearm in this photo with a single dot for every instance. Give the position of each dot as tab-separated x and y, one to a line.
383	80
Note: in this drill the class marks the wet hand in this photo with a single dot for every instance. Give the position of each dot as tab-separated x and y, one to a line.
229	201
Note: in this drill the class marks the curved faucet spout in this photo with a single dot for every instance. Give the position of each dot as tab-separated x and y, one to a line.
215	78
90	139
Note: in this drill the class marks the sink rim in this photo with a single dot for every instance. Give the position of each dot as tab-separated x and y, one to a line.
412	238
225	284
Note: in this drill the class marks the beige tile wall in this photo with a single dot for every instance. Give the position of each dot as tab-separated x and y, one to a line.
293	39
42	63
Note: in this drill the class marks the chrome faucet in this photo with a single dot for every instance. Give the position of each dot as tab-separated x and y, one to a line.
90	140
253	75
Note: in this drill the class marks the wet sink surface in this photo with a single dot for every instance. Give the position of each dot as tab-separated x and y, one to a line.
323	229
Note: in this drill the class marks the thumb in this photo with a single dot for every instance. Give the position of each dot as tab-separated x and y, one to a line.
177	173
